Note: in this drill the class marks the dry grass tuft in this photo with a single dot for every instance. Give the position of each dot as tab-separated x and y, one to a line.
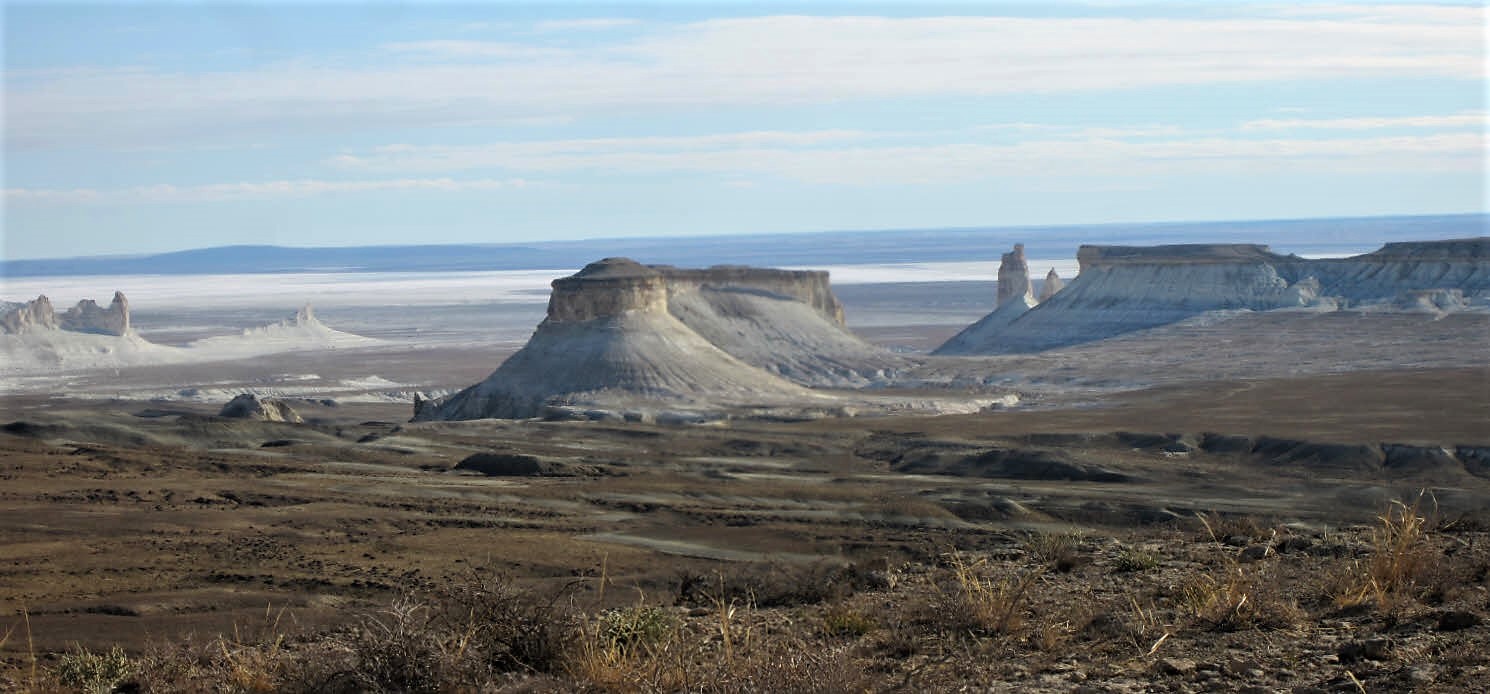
844	621
1402	556
1058	551
979	604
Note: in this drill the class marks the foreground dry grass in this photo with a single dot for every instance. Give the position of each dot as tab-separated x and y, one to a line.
1216	603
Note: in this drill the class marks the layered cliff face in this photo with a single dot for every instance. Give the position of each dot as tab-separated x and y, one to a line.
1121	289
621	334
607	288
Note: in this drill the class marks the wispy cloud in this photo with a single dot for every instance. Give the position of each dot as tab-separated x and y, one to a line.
462	49
863	157
218	192
589	24
1422	13
1469	119
732	63
551	155
853	158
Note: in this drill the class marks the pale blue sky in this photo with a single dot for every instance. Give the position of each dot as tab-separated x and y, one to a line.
150	127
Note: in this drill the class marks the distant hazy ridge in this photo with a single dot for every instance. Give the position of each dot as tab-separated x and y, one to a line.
1304	237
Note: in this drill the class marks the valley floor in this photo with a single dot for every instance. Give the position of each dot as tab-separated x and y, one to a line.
1110	548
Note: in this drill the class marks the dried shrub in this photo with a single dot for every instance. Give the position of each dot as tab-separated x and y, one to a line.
98	673
1236	598
779	584
1401	558
1058	551
1134	560
844	621
970	601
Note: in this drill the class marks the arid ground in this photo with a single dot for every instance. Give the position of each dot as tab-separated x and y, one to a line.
1299	529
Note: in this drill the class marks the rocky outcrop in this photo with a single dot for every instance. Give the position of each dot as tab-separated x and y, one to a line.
612	340
37	314
1014	276
1052	285
1122	289
1016	297
88	317
249	406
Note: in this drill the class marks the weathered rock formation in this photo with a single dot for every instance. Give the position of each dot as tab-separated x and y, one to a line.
88	317
1015	298
1014	276
36	314
249	406
1121	289
1052	285
619	333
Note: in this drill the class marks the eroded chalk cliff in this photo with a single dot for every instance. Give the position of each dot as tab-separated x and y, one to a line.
19	318
1122	289
85	317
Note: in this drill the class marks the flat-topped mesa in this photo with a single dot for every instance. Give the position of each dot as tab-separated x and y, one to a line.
1125	288
614	286
36	314
88	317
623	337
1176	254
1014	276
1458	250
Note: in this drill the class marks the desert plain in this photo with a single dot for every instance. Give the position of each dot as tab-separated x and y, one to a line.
1279	501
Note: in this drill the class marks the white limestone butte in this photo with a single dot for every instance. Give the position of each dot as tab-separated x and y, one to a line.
609	341
622	335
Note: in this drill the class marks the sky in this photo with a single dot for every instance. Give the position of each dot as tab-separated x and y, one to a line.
145	127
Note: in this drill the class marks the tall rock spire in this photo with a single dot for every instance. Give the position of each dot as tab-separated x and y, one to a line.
1014	276
1052	285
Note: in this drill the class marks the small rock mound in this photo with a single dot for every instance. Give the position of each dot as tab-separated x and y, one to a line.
249	406
503	465
522	465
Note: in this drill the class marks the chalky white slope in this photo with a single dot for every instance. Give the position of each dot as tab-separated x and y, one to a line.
1125	289
35	342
